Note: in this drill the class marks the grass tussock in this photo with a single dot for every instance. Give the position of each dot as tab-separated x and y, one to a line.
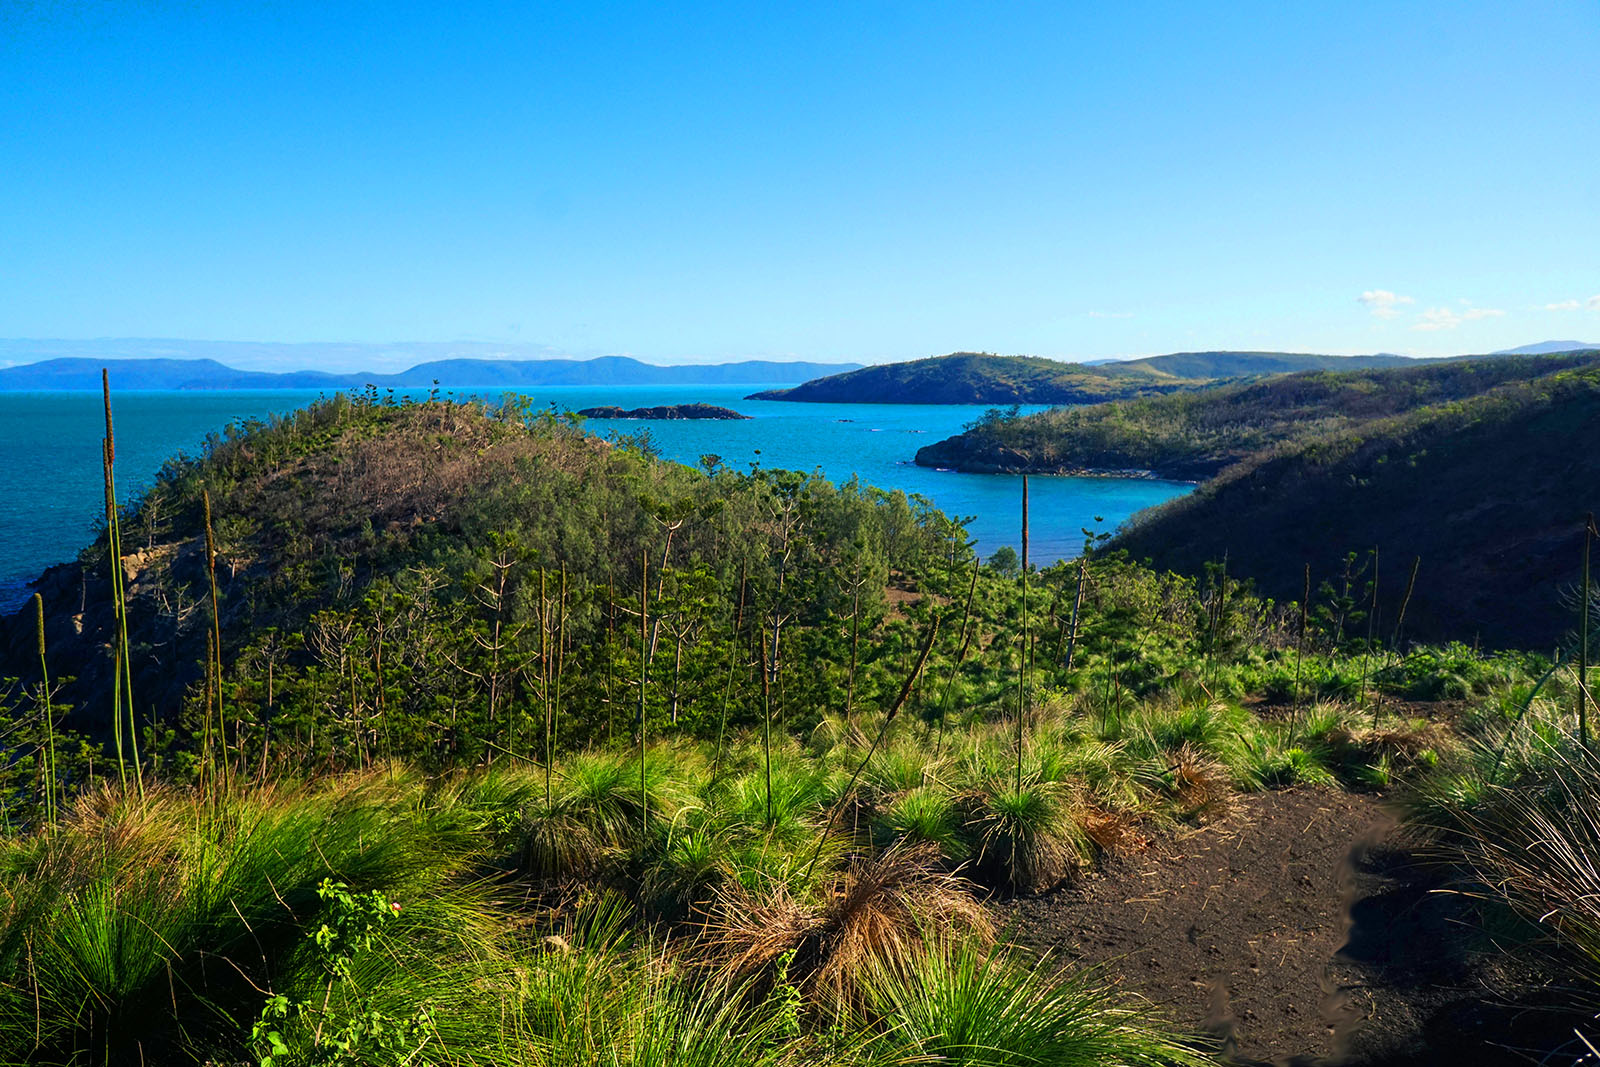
158	930
876	914
957	1004
1534	843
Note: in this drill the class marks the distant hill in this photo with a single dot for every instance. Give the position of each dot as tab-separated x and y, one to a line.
83	373
1545	347
1489	491
1213	365
1197	433
982	378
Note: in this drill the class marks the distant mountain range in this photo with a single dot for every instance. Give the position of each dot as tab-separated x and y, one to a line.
83	373
1544	348
958	378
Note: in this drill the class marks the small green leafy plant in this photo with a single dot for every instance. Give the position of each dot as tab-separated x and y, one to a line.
347	1030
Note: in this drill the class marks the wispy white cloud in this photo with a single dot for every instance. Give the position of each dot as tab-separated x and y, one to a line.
1383	303
1111	314
1593	304
1443	318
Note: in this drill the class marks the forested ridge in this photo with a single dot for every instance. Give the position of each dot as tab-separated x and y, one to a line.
1194	434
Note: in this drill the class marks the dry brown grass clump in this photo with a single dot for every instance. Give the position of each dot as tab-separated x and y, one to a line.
1407	740
1111	831
877	914
1203	785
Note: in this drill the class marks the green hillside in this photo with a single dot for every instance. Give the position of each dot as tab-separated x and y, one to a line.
1255	364
1490	492
1196	434
982	378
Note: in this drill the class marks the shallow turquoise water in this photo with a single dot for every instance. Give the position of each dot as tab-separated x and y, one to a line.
50	481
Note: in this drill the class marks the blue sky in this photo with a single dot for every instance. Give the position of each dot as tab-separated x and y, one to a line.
863	181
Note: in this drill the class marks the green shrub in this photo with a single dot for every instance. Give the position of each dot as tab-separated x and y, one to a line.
147	931
960	1006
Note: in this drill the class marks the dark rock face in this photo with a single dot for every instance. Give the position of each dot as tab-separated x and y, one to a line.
80	629
666	411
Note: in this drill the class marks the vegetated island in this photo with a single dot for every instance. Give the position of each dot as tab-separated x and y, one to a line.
523	748
984	378
664	411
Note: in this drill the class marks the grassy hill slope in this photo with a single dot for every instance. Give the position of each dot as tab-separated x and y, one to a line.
1255	364
1196	434
1489	491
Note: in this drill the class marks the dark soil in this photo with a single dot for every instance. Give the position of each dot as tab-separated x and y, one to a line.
1295	931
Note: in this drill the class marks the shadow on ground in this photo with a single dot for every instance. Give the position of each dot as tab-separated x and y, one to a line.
1297	930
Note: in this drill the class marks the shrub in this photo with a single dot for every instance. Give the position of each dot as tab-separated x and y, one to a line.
1025	840
960	1006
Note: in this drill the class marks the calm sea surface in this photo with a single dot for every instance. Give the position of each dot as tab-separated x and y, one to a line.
50	480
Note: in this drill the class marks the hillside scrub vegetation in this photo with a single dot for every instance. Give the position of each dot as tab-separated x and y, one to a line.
1485	499
519	746
1195	434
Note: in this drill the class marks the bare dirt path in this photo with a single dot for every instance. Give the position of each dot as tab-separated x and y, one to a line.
1294	933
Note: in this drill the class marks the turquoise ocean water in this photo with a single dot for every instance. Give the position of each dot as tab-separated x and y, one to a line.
50	480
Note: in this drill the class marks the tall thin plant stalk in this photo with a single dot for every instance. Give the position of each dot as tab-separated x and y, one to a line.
561	659
122	670
48	717
1300	650
1022	670
544	682
1077	606
766	723
733	662
644	679
205	744
221	739
961	654
1589	534
611	630
1218	618
1405	602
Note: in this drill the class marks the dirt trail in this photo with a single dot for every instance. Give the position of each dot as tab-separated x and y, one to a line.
1293	933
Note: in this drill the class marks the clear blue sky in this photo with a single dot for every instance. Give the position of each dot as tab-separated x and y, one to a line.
868	181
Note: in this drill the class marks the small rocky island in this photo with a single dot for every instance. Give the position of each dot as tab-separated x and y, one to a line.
665	411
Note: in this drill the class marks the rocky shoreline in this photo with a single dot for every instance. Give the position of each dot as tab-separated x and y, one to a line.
962	453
